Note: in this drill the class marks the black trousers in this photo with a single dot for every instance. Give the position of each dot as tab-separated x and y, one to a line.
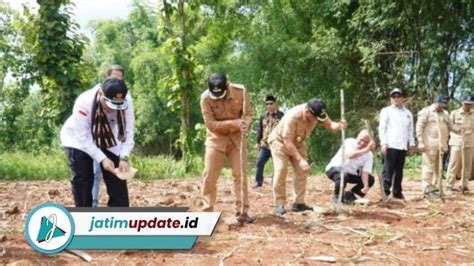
394	161
82	179
334	173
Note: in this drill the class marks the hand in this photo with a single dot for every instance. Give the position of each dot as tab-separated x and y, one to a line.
365	190
384	149
411	151
371	146
422	147
303	164
123	166
342	124
241	124
108	165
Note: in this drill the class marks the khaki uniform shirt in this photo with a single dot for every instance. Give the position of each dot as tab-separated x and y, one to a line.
427	131
219	116
459	118
293	126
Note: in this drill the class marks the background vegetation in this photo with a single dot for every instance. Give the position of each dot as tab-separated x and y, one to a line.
294	49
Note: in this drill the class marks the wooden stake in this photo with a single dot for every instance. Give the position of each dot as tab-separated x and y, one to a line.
375	162
343	150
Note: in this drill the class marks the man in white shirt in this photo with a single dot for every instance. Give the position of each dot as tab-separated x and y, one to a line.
357	167
396	138
101	129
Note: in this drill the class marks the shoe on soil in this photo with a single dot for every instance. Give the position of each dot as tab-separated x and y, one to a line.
349	197
301	207
432	194
280	210
399	196
245	218
449	191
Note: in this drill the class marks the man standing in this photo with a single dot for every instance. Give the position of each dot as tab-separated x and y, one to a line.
461	144
118	72
433	123
395	133
287	144
357	167
101	129
267	122
222	110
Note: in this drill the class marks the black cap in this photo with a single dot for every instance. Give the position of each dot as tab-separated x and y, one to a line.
396	91
442	99
217	84
270	98
468	99
316	107
115	90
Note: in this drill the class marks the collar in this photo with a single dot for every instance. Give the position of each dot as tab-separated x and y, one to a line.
396	107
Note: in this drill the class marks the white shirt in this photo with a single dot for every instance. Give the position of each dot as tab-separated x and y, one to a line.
77	130
396	128
365	161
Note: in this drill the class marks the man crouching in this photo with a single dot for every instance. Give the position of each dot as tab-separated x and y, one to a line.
357	168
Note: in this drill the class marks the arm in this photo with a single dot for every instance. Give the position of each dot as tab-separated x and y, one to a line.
248	110
383	127
420	127
332	126
365	181
411	137
221	127
358	153
260	129
452	126
129	142
366	169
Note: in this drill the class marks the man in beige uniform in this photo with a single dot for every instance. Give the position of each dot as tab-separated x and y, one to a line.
461	143
288	146
433	120
221	108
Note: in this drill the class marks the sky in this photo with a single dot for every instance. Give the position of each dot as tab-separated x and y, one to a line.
87	10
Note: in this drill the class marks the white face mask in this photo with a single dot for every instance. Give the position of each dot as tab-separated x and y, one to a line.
214	97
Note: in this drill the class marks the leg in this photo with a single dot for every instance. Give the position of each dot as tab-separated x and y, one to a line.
454	167
468	153
429	170
116	188
214	161
81	165
389	169
280	171
359	185
335	175
240	179
397	186
299	182
263	156
96	186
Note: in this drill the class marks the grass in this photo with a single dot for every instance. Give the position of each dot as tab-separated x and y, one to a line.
53	166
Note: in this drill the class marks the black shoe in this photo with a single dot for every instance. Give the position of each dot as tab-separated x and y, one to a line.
257	185
399	196
301	207
280	210
349	197
245	218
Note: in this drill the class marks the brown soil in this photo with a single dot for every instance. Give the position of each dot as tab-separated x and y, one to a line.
417	231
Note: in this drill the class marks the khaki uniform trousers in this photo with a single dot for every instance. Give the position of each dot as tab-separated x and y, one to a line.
455	165
429	170
214	162
280	166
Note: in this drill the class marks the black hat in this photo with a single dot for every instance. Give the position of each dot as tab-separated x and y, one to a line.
395	91
316	107
442	99
270	98
468	99
115	90
217	83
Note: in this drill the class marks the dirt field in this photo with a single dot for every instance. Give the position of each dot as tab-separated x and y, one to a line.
416	231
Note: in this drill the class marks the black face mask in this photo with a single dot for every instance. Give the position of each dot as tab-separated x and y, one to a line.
217	84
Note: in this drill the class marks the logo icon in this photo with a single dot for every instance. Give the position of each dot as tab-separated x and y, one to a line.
49	228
